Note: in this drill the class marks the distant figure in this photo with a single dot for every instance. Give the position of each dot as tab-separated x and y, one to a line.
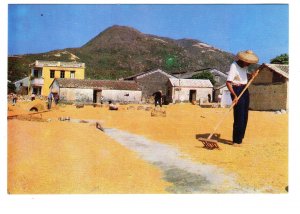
209	98
14	98
50	97
101	100
56	98
157	98
32	96
219	98
112	106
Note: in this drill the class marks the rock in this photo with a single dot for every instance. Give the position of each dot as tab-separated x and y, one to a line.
283	111
130	108
79	105
148	108
157	112
140	108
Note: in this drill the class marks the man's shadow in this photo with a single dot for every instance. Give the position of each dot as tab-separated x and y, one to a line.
216	137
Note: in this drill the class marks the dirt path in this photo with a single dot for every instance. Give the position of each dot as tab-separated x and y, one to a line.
187	176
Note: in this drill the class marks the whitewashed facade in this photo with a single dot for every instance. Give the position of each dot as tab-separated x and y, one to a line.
22	83
189	90
91	91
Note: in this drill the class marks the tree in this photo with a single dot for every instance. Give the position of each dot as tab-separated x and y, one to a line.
282	59
205	75
11	87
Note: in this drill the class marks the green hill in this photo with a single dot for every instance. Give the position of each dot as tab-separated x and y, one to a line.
121	51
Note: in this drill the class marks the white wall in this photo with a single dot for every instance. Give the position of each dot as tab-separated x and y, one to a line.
76	95
86	95
120	95
226	98
184	94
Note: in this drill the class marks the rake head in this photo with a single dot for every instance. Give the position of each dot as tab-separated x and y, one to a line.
209	143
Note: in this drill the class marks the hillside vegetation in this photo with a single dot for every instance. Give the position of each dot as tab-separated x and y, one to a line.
121	51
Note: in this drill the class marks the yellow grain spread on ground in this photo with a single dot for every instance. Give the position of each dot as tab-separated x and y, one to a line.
61	157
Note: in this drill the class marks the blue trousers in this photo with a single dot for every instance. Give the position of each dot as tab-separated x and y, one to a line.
240	113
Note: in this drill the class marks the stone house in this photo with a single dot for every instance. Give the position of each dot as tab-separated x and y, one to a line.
269	91
91	91
151	81
188	90
22	86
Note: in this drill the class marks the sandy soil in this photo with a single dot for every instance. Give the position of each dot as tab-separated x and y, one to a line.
62	157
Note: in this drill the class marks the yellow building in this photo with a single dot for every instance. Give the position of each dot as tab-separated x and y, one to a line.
42	74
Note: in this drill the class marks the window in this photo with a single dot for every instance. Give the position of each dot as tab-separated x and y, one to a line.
72	74
52	73
62	74
36	73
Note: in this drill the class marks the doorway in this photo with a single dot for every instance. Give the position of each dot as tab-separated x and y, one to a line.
192	95
37	90
97	96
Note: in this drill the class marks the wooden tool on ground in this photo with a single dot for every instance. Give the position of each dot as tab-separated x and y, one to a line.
211	143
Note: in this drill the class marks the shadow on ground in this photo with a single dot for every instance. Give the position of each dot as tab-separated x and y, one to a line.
185	182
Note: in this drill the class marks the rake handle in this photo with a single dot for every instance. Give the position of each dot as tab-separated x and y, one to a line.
233	104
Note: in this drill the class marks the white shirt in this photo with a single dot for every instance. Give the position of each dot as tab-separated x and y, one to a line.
237	74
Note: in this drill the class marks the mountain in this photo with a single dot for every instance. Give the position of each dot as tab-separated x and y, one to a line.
121	51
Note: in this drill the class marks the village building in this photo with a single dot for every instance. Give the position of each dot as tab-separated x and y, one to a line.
219	77
42	74
91	91
189	90
269	90
151	82
22	86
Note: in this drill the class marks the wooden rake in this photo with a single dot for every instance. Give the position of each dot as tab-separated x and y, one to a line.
211	143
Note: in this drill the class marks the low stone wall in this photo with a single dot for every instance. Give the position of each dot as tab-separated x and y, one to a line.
269	97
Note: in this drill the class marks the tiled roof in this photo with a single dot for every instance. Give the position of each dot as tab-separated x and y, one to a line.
202	83
42	63
279	68
98	84
211	70
25	81
140	75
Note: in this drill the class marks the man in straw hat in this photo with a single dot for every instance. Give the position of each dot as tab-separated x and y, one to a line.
236	81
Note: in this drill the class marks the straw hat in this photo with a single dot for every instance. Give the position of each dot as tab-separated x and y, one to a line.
248	56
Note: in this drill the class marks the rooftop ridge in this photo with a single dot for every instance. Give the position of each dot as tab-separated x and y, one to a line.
43	63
